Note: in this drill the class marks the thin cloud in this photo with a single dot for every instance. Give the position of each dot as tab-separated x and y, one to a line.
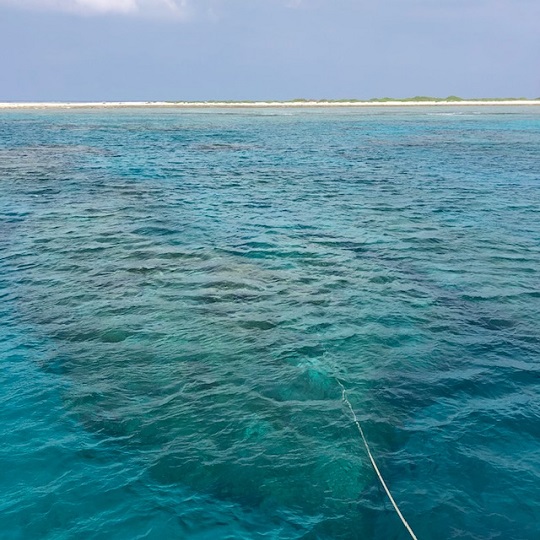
177	8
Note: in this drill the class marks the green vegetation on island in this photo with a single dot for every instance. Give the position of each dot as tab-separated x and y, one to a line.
445	99
414	99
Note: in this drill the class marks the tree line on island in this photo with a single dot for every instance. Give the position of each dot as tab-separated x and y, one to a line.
416	99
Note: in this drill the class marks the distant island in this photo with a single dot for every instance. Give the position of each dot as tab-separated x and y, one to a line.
297	102
422	99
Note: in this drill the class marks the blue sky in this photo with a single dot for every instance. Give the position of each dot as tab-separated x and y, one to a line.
267	49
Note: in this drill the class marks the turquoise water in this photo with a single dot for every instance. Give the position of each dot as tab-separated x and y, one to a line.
181	288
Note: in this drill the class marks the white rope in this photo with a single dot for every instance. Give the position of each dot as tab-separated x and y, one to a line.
361	431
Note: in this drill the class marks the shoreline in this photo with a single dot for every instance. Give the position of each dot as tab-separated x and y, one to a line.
256	104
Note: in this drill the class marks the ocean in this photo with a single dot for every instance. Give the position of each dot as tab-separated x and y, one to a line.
184	291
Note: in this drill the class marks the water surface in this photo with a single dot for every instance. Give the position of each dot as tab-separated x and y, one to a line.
181	288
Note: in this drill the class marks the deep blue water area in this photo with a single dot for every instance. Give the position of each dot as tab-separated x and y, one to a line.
181	291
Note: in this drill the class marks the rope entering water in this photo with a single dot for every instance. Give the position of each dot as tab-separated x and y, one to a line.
361	431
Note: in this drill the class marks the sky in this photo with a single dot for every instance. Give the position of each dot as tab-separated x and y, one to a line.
131	50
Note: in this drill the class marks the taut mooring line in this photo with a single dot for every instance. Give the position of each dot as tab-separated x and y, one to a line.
361	431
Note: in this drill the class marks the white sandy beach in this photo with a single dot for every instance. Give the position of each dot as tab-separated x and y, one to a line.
256	104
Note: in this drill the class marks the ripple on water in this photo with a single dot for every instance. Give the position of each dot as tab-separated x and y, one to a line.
179	291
